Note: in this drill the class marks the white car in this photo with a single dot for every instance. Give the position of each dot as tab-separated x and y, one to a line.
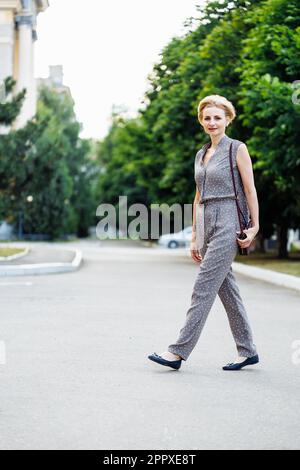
175	240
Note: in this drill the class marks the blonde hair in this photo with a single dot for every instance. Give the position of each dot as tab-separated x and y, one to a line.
218	101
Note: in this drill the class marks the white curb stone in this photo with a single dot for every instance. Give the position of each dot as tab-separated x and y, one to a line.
42	268
280	279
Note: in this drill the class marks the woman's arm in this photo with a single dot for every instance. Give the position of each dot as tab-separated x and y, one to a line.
244	164
196	201
195	253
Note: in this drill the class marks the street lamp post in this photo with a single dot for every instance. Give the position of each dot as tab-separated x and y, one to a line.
20	225
29	199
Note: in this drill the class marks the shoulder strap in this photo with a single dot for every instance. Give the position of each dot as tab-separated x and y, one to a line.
235	191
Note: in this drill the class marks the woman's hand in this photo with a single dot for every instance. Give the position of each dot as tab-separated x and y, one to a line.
251	233
195	253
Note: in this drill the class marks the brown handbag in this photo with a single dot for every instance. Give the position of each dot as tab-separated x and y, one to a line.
244	224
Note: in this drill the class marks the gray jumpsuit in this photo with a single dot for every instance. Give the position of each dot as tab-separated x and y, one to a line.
216	226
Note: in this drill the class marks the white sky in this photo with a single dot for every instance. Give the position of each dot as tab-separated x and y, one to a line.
107	49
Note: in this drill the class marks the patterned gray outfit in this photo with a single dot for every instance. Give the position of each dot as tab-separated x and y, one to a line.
217	223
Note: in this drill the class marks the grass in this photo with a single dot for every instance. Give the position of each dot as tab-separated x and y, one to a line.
10	251
270	261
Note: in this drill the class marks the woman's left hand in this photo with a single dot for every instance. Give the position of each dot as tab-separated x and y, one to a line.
250	232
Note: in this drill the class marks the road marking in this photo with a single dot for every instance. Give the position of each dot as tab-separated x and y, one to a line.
5	284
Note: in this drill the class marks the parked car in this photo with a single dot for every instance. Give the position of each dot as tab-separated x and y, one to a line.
175	240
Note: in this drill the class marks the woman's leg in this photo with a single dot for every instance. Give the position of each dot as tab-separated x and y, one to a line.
220	252
237	316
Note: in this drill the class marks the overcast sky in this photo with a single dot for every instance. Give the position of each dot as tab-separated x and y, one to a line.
107	49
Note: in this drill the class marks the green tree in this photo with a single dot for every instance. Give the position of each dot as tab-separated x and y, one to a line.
270	65
13	145
45	170
247	51
160	161
59	171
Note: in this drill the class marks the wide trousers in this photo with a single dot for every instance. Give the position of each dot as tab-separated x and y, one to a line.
215	277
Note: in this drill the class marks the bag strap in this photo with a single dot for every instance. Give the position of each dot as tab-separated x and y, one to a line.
235	191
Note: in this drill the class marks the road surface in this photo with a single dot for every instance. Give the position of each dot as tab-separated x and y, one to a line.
77	375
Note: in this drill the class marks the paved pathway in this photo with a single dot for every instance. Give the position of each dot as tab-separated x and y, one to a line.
77	374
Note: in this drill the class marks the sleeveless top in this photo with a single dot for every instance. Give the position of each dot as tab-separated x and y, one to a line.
214	180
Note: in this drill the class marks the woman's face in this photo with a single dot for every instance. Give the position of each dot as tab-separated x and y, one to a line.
214	120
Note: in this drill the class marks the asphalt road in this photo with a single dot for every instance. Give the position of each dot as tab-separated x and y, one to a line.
77	374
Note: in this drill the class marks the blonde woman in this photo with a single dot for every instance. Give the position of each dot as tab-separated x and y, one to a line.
214	244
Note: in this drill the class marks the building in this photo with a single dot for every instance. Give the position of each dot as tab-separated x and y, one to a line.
55	81
18	20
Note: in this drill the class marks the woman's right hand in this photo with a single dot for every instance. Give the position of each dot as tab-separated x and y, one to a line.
195	252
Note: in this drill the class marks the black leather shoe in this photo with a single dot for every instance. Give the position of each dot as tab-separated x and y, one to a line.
249	361
160	360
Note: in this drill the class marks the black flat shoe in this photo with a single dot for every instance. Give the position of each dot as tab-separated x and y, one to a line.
160	360
249	361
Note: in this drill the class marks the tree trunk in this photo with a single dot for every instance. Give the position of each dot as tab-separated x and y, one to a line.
282	237
260	244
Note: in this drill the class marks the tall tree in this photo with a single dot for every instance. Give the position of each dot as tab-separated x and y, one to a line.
45	175
269	67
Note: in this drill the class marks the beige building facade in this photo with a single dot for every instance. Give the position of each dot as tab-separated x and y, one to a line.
18	20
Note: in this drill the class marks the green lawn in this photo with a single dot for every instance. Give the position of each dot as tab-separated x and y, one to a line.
10	251
269	261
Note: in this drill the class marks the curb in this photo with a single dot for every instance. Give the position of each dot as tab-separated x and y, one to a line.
267	275
42	268
273	277
262	274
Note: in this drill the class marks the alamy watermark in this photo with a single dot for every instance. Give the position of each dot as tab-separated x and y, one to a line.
296	354
2	353
143	223
2	92
296	93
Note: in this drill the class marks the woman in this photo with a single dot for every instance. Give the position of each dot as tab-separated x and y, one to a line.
214	243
